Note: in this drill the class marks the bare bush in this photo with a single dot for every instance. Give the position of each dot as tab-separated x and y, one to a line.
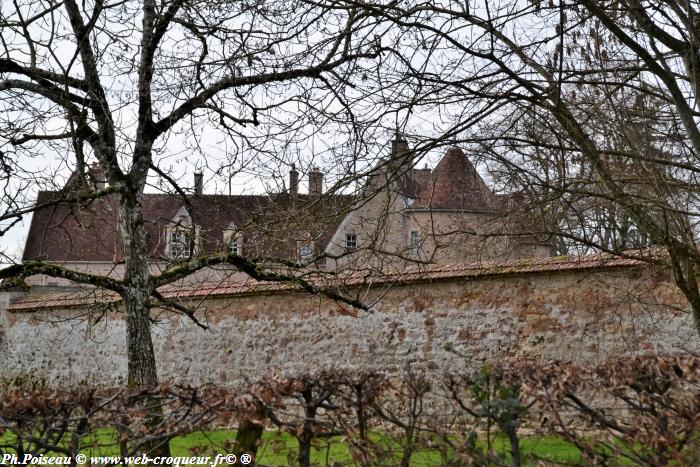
639	411
645	410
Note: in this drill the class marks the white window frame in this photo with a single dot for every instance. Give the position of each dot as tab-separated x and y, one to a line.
415	242
235	245
351	242
233	240
306	250
180	242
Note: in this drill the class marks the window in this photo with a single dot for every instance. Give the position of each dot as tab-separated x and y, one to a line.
351	242
235	246
181	236
305	250
179	244
233	239
415	242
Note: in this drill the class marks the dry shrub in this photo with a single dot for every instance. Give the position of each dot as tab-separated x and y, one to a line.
645	410
636	410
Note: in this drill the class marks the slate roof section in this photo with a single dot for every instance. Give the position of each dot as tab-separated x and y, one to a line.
455	184
413	182
88	232
409	275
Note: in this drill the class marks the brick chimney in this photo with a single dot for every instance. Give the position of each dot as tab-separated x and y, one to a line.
293	181
401	157
198	183
315	182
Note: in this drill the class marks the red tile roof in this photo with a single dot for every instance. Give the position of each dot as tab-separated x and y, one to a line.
413	274
64	300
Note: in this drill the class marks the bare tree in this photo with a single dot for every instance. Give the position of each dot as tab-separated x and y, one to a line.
128	83
612	89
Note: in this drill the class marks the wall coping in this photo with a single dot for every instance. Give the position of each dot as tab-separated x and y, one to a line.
408	275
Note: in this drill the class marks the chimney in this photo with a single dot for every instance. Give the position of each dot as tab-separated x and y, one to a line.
401	158
315	182
293	181
198	183
97	176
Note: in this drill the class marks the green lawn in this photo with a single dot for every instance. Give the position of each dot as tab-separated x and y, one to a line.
281	449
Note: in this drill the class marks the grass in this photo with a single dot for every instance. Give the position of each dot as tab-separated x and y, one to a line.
280	449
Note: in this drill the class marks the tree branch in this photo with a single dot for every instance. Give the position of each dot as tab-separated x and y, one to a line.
254	270
16	273
9	66
200	99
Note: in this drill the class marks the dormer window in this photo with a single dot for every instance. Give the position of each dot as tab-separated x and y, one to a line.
235	245
305	251
415	243
233	239
306	247
350	242
179	244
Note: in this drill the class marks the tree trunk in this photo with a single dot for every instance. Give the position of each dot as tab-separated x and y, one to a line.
307	432
141	358
304	451
514	446
247	437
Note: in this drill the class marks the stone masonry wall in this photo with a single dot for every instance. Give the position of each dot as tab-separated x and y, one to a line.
579	316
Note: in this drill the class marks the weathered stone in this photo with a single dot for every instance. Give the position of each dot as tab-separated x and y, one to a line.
567	316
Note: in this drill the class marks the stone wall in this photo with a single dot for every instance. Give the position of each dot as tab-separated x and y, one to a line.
576	315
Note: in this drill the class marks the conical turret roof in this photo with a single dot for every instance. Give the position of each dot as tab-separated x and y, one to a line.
456	185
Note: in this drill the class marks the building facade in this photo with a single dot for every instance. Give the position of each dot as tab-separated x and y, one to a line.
450	277
404	216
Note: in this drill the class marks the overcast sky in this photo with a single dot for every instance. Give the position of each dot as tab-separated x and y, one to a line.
306	124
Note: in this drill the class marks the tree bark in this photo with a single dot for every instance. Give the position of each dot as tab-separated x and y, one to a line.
137	290
514	446
141	358
307	434
247	437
